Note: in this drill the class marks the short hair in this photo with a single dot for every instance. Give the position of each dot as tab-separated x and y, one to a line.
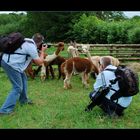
105	61
38	38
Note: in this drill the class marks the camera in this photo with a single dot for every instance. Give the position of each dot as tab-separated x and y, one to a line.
48	44
97	97
44	45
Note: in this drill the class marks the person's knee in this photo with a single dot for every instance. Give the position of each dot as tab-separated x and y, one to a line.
18	89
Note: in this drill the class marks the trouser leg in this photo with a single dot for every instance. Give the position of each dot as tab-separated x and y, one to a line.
17	86
23	96
109	107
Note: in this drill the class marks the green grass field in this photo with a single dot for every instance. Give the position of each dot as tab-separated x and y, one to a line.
55	107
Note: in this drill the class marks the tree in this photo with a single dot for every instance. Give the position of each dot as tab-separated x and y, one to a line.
54	25
109	15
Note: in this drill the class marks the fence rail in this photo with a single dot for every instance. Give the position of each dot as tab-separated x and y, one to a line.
124	52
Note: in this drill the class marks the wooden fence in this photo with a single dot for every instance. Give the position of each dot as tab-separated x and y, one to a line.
124	52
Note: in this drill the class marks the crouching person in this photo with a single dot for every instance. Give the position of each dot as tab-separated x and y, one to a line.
103	90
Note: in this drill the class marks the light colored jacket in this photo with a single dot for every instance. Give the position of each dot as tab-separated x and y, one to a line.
108	75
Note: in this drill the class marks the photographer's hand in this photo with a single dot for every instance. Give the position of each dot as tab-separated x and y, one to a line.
44	47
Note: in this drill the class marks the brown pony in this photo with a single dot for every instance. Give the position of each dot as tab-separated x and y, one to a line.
57	61
78	65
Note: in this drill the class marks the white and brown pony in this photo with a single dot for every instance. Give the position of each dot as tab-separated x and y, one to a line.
78	65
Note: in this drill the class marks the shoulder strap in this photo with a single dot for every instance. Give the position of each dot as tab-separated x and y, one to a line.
27	55
1	54
113	70
103	79
117	93
116	79
111	81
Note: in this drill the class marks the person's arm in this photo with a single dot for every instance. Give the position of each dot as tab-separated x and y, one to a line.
39	61
98	83
96	86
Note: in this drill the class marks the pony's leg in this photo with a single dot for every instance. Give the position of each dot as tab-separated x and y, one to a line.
37	70
67	81
85	78
52	72
43	72
69	77
30	71
47	72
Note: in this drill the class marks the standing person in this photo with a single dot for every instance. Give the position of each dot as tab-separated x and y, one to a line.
111	107
14	68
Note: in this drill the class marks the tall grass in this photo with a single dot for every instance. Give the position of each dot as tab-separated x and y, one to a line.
55	107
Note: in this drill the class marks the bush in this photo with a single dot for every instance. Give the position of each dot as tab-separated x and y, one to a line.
134	35
86	29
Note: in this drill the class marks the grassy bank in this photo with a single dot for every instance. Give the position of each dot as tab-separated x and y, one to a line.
55	107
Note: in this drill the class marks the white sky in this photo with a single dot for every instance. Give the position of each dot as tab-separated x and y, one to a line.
7	12
129	14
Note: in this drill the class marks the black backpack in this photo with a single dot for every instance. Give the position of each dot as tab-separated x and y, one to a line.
10	43
128	82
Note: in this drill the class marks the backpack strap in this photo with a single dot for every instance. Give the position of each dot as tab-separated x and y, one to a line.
8	58
117	93
27	55
115	80
113	70
1	54
103	79
25	40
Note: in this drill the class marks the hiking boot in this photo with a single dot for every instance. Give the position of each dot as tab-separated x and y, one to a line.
29	102
120	113
114	115
4	114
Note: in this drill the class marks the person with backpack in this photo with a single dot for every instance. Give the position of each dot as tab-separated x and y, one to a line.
103	91
14	65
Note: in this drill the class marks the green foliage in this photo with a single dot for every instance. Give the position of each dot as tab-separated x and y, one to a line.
101	33
9	18
114	33
134	31
109	15
134	35
86	27
11	23
54	26
90	29
85	30
118	32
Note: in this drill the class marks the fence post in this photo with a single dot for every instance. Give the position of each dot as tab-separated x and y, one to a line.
111	49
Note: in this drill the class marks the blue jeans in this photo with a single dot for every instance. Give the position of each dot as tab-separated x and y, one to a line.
19	88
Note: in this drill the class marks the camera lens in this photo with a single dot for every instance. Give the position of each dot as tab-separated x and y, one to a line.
44	45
